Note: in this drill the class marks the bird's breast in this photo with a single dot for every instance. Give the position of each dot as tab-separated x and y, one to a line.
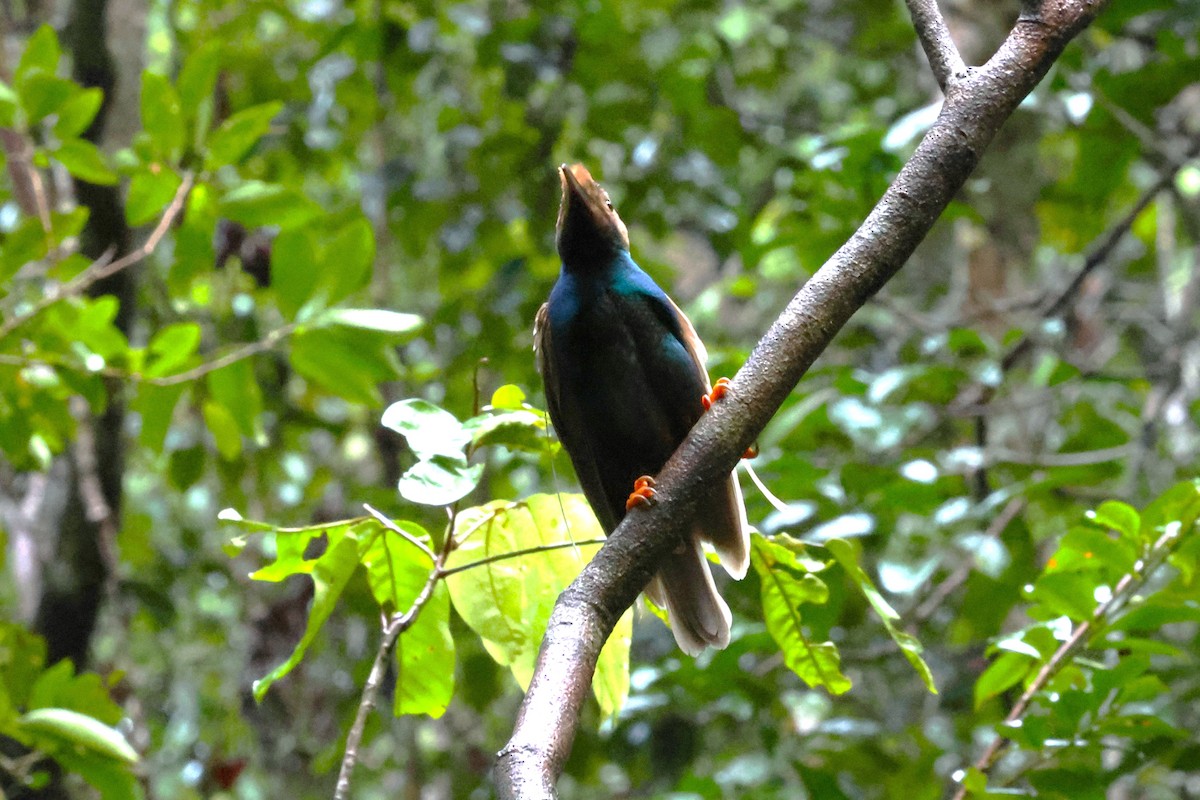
629	373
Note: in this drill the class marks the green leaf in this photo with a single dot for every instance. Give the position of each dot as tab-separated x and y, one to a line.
295	269
908	644
77	113
351	256
198	75
22	656
508	397
425	660
1005	672
526	429
115	780
508	602
85	161
171	348
347	362
229	143
236	389
9	103
371	319
1120	517
439	480
59	687
43	94
292	544
1070	594
397	569
330	574
150	190
162	117
1177	509
783	594
255	204
155	407
429	430
224	429
1090	549
25	244
397	572
55	728
42	53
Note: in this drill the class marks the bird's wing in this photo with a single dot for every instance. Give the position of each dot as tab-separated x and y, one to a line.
721	519
569	424
691	342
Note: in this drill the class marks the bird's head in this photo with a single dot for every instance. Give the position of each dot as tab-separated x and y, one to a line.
589	230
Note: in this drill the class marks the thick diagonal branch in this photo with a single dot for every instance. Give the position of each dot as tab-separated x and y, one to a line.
975	108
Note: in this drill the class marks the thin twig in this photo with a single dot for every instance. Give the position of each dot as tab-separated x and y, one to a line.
1060	303
392	628
28	188
541	548
263	345
53	361
956	579
392	526
397	624
1125	587
939	47
102	268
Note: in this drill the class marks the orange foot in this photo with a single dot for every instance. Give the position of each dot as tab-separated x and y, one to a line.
719	390
643	493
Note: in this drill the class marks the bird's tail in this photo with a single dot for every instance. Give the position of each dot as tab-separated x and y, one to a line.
684	587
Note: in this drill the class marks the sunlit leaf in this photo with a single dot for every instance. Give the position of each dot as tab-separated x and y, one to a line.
908	644
786	588
374	319
508	601
429	430
439	480
71	729
329	575
425	660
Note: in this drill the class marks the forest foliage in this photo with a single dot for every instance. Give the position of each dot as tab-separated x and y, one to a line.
316	399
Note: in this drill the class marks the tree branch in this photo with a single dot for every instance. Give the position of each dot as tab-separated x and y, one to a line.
103	268
944	60
975	107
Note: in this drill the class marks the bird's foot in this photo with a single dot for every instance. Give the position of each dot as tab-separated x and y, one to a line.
643	493
719	390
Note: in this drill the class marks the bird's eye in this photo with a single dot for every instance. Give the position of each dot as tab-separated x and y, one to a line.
609	204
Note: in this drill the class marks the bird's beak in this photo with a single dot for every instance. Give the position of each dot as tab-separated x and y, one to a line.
574	201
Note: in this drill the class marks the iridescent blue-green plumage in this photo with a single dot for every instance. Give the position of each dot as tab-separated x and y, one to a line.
624	376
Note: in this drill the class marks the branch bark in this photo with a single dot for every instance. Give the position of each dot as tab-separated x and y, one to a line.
976	105
944	60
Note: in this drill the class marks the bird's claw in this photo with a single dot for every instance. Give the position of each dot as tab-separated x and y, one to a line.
719	390
642	494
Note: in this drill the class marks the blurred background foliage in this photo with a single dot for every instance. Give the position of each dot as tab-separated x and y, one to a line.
1036	357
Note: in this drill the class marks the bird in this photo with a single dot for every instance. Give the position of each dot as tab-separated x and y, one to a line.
625	380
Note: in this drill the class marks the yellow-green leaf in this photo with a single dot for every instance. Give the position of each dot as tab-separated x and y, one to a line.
508	601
